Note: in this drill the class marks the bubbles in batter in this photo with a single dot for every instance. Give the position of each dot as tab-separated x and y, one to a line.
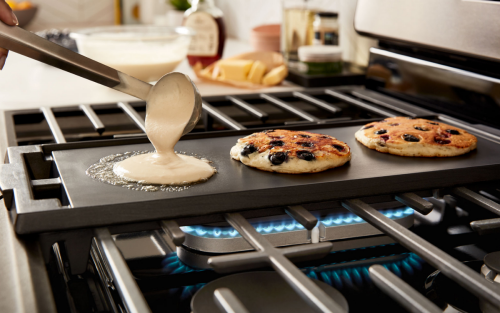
103	171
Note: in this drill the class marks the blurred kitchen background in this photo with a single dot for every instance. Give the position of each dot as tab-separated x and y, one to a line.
240	16
255	47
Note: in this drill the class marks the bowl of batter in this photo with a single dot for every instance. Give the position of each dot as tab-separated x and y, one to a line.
144	52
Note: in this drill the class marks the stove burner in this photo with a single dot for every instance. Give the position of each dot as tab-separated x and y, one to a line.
492	261
354	274
289	225
445	292
260	292
491	271
173	265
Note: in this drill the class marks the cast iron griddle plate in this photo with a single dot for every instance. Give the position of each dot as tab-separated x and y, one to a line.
237	187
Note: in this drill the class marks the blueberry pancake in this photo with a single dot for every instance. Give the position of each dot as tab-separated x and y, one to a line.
416	137
291	152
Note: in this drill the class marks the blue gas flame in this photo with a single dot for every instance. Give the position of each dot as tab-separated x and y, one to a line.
173	265
339	277
358	276
332	220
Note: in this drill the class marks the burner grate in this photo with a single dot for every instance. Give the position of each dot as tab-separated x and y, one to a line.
233	112
42	168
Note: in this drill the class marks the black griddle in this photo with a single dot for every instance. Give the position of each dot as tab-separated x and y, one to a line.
84	202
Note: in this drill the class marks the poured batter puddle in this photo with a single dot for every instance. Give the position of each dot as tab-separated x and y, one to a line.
103	172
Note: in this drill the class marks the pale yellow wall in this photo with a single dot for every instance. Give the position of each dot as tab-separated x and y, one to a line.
242	15
72	13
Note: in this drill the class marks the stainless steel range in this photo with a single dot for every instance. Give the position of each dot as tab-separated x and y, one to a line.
384	233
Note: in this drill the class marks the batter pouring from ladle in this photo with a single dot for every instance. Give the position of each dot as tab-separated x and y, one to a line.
173	108
170	105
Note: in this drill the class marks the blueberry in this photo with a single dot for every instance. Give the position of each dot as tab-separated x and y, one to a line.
304	136
384	138
305	155
394	124
420	128
410	138
380	132
339	147
276	143
306	144
367	127
248	149
325	137
442	141
432	123
452	131
278	158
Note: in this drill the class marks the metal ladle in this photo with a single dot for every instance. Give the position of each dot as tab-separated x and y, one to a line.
32	46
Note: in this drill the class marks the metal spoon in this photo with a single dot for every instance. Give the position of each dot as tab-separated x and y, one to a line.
28	44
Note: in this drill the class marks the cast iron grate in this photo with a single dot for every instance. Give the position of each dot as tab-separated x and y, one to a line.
77	242
233	112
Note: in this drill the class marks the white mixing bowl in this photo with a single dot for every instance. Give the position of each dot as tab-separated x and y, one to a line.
144	52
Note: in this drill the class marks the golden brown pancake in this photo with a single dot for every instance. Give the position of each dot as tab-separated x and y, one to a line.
416	137
292	152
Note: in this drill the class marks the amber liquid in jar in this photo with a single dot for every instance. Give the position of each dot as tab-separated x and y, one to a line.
207	60
207	45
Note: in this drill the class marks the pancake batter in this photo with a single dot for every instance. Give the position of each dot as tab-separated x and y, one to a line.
169	108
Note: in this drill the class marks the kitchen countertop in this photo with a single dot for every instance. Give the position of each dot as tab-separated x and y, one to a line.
29	84
26	83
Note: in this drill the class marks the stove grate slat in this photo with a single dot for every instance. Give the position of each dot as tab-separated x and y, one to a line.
415	202
290	108
309	291
320	103
361	104
477	199
302	216
94	119
134	116
122	277
172	229
449	266
488	226
401	291
263	116
53	125
228	302
221	117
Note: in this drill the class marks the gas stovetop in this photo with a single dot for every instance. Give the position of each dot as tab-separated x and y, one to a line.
397	233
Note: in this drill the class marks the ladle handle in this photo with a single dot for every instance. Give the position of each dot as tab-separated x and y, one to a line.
32	46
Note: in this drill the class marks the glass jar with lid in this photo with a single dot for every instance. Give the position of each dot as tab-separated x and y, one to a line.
207	44
297	26
326	28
